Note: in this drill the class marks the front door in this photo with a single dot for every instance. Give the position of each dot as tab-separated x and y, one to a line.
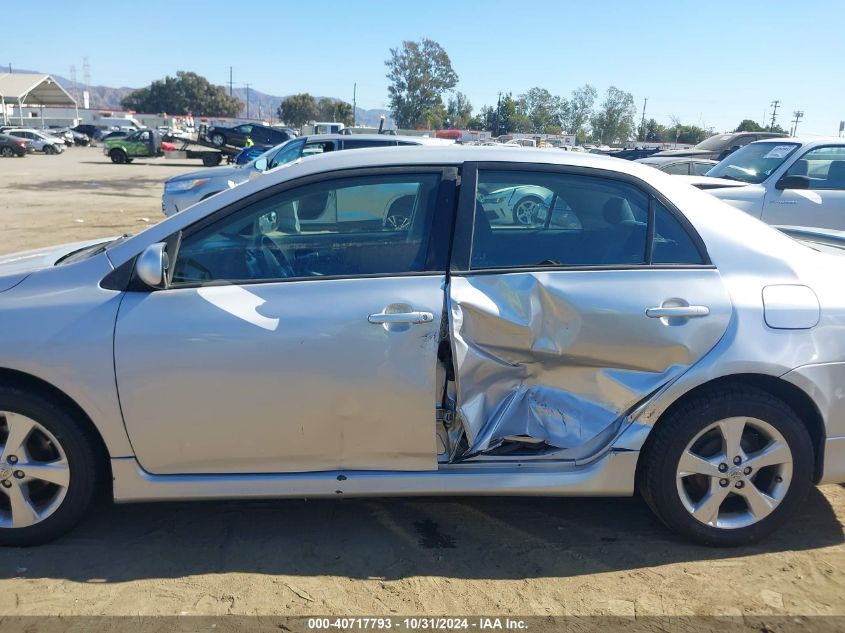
284	346
822	205
564	323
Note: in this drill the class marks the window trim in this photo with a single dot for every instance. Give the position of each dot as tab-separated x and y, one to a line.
442	220
465	221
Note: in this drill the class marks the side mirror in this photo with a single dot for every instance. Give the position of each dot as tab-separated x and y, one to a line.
261	164
792	182
152	265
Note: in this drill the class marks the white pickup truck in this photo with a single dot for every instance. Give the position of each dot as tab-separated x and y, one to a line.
784	181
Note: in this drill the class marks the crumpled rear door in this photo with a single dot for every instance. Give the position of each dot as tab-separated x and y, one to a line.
557	355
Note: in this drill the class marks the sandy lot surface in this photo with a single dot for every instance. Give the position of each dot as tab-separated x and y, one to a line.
359	557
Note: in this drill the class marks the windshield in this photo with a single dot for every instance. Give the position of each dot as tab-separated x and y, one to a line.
753	163
719	141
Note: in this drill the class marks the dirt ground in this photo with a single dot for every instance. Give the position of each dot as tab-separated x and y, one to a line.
366	557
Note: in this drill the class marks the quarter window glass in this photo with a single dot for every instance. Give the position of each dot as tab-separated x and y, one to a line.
526	219
672	244
677	168
824	167
351	226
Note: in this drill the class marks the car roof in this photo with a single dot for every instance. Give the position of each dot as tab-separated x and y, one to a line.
805	140
386	138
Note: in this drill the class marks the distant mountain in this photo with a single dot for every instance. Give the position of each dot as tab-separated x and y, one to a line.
261	104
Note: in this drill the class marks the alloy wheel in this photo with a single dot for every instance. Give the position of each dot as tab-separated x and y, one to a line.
34	472
734	473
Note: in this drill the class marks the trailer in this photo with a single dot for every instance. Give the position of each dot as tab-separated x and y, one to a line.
210	154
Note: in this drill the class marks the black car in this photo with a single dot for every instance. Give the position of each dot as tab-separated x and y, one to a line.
719	146
236	136
11	146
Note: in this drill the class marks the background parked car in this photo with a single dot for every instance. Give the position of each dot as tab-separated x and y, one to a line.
236	136
784	181
718	146
184	190
40	142
12	146
679	166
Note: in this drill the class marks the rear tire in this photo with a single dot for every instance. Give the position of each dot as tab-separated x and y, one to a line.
7	152
696	484
38	433
118	156
211	160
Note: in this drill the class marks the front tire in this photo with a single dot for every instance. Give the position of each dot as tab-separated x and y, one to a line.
50	149
727	467
48	469
218	139
118	157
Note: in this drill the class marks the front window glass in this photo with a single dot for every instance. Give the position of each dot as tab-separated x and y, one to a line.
286	153
753	163
720	141
824	167
344	227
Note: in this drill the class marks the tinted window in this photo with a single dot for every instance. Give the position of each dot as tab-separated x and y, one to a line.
672	244
824	167
358	144
699	169
287	153
243	129
338	227
541	219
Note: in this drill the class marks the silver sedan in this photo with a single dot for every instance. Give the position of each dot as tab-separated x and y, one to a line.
281	340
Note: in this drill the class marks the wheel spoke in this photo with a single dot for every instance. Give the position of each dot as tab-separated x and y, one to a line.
23	512
54	472
19	430
774	454
692	464
732	430
707	510
759	503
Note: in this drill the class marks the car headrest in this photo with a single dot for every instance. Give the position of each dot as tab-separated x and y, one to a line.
617	210
287	219
800	168
836	173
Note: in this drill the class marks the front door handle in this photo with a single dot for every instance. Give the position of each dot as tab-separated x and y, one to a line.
401	317
683	312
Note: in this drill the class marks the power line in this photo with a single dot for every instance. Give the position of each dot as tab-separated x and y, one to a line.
775	105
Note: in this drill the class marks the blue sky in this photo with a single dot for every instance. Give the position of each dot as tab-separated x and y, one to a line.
709	63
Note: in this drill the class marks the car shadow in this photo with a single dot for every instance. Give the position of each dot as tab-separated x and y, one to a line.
150	163
92	186
500	538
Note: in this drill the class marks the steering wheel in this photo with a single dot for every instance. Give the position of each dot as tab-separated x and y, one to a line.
269	260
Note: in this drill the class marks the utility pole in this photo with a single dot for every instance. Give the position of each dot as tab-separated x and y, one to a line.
247	100
775	105
230	81
642	125
798	116
354	102
498	110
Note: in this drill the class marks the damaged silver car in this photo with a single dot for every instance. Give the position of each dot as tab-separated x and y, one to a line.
281	340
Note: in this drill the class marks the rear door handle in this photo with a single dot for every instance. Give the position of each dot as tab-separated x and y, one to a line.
401	317
688	312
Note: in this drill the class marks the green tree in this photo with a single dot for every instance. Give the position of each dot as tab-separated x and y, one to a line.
334	110
654	132
459	110
419	73
575	113
748	125
186	93
691	134
297	110
614	120
542	109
